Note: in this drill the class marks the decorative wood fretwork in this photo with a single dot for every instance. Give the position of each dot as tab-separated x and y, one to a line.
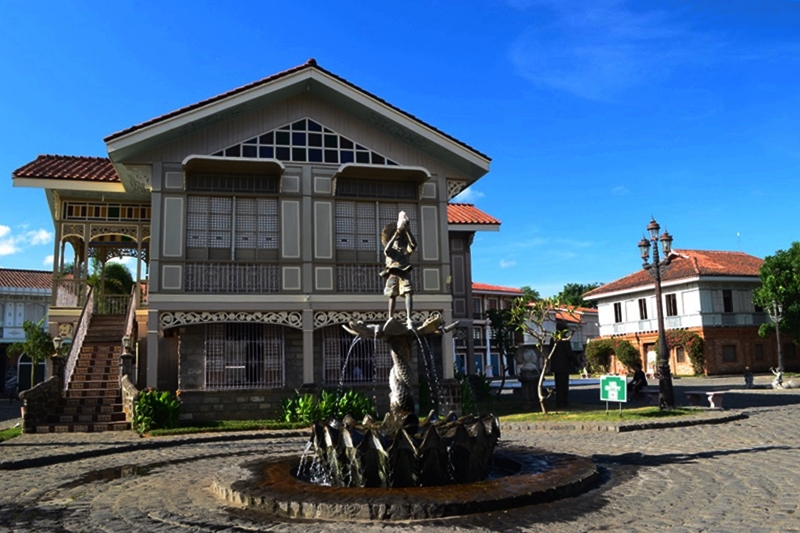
65	329
139	178
169	319
77	230
131	231
328	318
454	188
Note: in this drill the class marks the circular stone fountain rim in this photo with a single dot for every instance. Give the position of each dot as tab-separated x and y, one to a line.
268	486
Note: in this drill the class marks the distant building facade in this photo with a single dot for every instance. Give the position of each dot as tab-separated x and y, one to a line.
706	292
24	295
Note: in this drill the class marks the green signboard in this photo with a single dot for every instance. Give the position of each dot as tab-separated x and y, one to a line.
613	389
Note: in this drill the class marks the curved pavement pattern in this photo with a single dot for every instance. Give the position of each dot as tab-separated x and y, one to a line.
740	475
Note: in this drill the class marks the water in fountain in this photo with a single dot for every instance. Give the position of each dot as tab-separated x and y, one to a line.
431	453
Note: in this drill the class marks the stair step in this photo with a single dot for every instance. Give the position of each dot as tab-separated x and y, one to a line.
93	393
86	409
84	418
90	401
94	385
89	427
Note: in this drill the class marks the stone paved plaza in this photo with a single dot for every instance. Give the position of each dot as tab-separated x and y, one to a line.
729	476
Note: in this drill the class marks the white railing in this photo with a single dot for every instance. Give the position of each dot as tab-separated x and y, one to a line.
78	337
130	324
111	304
225	278
69	293
683	322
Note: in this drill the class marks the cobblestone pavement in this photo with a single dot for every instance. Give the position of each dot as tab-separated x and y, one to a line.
741	475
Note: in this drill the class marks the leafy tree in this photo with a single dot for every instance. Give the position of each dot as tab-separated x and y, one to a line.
529	294
503	329
38	345
116	279
780	284
627	354
572	294
533	318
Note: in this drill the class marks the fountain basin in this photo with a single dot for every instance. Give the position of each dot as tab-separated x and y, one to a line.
269	486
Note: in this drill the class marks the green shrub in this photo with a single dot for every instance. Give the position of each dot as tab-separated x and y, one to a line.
627	354
307	408
598	353
155	410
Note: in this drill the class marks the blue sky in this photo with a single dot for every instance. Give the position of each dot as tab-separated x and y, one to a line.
597	115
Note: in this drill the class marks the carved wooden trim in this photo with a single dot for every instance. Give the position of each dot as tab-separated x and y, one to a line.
169	319
454	188
330	318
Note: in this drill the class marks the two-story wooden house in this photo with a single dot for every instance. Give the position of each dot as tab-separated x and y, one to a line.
255	217
705	292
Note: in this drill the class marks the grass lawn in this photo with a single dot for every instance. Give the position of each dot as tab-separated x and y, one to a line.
10	433
593	413
190	427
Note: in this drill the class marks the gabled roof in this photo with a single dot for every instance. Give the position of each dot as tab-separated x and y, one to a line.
25	279
485	287
687	264
469	215
311	78
69	168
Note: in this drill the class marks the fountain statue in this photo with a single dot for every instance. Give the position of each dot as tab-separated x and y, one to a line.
401	451
382	470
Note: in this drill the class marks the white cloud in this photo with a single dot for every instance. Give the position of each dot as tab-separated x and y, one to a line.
11	243
620	190
468	196
507	263
39	236
597	50
48	261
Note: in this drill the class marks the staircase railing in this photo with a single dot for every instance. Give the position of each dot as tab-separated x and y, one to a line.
78	338
112	304
131	333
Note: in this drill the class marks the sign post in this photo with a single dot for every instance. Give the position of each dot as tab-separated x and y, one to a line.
613	389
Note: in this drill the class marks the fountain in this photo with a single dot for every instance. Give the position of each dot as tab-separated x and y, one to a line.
402	467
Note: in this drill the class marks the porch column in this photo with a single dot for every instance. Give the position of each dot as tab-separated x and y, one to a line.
308	346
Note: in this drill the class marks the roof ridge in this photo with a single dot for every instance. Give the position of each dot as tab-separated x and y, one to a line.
310	64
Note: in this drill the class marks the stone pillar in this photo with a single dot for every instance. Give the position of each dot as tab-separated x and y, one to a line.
308	346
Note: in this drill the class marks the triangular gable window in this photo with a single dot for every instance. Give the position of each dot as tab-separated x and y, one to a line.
305	141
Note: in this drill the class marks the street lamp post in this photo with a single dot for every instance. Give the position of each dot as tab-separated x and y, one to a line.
656	268
775	311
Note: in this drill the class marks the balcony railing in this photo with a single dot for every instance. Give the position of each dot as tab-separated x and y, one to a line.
685	321
232	278
70	293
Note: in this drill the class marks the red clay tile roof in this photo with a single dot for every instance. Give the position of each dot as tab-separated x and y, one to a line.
468	214
26	279
688	264
494	288
69	168
311	63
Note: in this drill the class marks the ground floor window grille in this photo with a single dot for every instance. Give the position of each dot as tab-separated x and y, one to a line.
244	356
369	361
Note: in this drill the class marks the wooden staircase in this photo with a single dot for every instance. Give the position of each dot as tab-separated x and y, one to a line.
93	400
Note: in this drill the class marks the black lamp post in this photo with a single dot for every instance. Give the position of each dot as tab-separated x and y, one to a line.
656	268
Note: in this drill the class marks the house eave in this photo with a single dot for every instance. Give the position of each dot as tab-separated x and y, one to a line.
473	227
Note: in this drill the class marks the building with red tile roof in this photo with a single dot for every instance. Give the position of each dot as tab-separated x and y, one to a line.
705	292
24	295
255	214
